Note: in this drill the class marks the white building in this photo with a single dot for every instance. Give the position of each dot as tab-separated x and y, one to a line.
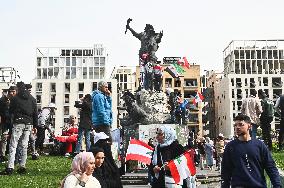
64	75
248	65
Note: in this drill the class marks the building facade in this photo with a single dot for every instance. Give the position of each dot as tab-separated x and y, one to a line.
248	65
65	75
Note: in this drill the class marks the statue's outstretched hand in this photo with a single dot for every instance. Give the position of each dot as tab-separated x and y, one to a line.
161	33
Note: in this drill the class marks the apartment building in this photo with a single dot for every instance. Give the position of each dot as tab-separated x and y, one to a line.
64	75
187	85
248	65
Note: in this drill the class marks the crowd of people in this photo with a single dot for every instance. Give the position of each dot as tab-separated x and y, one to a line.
241	160
22	125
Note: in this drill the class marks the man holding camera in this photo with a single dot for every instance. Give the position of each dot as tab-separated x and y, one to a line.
101	109
85	124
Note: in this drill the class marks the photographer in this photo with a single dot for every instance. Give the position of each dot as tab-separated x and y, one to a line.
85	124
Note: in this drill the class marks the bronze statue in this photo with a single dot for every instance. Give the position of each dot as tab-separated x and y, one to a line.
149	41
149	45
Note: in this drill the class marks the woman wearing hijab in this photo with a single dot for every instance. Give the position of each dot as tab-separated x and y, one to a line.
110	171
167	149
83	166
99	159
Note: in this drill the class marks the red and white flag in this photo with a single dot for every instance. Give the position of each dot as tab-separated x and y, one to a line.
184	62
198	98
182	168
140	151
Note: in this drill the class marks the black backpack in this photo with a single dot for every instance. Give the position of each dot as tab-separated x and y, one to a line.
268	108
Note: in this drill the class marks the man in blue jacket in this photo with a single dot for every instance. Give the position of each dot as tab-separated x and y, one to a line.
245	160
101	109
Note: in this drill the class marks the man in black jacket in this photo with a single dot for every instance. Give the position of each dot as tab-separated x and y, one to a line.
85	123
23	110
5	120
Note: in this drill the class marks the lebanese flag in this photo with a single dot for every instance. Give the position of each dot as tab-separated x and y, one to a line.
198	98
140	151
184	62
181	168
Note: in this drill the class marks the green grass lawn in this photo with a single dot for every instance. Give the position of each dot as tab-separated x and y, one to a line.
279	159
47	171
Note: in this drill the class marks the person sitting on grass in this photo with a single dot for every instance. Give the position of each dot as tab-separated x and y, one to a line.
71	130
83	166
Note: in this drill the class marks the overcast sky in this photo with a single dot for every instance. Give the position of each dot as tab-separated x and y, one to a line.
197	29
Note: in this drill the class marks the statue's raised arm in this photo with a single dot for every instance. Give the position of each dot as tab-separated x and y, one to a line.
134	33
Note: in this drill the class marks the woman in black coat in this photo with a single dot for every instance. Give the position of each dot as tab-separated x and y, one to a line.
109	170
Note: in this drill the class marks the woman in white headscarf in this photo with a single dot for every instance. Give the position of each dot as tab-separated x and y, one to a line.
167	149
83	166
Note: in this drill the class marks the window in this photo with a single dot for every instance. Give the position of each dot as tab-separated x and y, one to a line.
103	59
73	72
190	82
38	61
102	72
38	86
44	73
52	98
85	73
97	61
67	61
66	110
81	87
53	87
80	96
67	76
56	71
38	98
91	73
66	98
96	73
50	72
50	61
67	87
232	81
168	82
95	86
177	82
38	73
73	61
265	81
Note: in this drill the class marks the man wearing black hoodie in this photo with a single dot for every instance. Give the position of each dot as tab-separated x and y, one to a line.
23	110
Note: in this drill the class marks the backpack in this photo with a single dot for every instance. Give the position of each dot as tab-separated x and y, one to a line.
268	108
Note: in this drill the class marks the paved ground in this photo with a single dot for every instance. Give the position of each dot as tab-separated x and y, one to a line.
200	173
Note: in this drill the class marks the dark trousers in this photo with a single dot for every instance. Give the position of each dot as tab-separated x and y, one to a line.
105	129
40	138
158	82
281	134
265	124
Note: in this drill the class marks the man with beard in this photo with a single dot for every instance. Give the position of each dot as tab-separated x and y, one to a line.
245	159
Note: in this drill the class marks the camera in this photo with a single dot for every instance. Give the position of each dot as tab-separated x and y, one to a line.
77	103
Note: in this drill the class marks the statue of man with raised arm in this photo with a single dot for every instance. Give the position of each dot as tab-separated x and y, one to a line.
149	41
